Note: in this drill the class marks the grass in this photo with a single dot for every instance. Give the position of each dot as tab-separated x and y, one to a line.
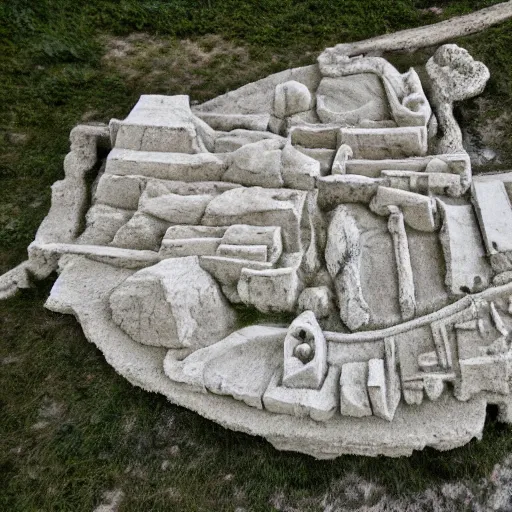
70	428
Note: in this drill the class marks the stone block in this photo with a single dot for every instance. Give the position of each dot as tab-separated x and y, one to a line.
160	123
173	304
260	207
320	405
380	143
291	98
166	166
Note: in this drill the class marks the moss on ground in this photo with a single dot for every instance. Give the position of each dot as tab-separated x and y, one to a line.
70	428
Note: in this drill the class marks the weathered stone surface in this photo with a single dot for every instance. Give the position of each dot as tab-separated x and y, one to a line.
183	188
235	139
324	157
291	98
229	122
160	123
467	269
258	97
234	373
176	209
142	231
102	223
494	213
269	236
318	299
319	404
185	240
257	164
246	252
354	399
183	232
260	207
189	247
456	76
351	99
380	143
406	291
69	196
190	368
419	211
270	291
119	191
346	188
305	354
384	383
250	218
315	136
342	255
115	256
298	170
174	304
166	166
228	271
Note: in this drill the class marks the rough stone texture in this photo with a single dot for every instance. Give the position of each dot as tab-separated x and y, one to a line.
258	97
397	327
418	210
298	171
406	292
305	354
270	291
243	235
142	231
176	209
260	207
318	404
354	399
69	196
455	77
235	374
166	166
174	304
423	36
343	255
464	254
350	100
381	143
346	188
494	212
143	366
119	191
318	300
102	223
291	98
235	139
257	164
160	123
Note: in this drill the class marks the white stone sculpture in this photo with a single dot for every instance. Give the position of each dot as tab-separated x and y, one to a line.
310	194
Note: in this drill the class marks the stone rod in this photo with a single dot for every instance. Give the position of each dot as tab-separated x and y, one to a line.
456	307
430	35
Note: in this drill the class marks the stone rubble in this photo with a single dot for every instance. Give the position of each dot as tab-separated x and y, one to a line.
376	277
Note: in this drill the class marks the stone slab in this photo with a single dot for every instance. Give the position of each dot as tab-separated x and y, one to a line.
494	213
467	268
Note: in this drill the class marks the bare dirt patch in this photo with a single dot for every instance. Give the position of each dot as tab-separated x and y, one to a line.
353	493
166	65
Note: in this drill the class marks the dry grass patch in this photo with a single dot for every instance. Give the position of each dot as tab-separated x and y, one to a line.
164	65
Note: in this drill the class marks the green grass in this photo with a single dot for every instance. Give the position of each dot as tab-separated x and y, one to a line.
70	428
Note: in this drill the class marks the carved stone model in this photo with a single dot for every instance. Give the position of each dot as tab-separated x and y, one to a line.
336	194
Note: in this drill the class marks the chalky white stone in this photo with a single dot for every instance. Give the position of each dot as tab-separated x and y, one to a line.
389	269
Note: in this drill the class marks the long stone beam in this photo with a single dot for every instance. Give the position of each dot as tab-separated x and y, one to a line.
429	35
